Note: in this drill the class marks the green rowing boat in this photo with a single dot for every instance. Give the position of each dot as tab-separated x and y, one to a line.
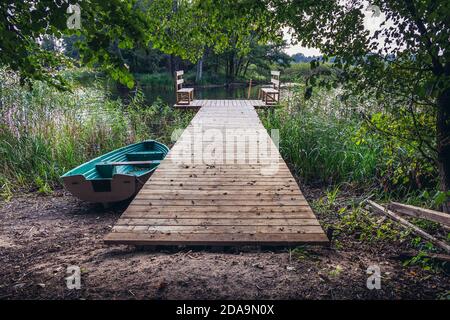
117	175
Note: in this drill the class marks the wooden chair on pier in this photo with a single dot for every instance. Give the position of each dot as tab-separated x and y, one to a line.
271	95
184	95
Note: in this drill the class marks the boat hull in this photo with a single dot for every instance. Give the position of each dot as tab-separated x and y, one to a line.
122	187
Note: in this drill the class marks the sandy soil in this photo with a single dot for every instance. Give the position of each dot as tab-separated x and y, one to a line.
42	235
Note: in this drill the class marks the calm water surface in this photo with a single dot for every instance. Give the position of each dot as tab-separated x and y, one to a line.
220	93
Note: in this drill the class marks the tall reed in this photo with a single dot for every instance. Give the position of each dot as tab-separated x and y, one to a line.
44	132
318	138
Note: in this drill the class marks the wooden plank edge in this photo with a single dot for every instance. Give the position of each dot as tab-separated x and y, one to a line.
208	240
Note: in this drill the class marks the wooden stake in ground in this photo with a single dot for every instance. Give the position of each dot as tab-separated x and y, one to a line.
405	223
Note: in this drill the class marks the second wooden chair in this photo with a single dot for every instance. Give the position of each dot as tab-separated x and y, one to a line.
271	95
184	95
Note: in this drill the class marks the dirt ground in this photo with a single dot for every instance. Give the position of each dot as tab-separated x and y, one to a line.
42	235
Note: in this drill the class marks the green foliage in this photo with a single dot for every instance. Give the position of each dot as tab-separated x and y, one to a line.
302	252
156	80
44	133
327	140
256	63
319	143
444	295
440	198
103	23
365	227
183	28
420	259
408	163
336	271
423	260
404	64
410	59
332	196
297	72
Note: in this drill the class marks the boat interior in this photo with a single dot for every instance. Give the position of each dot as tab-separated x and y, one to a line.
135	160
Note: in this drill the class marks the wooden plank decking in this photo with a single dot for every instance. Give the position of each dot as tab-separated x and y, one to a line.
197	104
223	183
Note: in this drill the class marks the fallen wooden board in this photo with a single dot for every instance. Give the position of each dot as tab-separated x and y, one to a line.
422	213
406	224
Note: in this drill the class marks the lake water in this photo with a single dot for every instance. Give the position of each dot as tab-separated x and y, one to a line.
220	93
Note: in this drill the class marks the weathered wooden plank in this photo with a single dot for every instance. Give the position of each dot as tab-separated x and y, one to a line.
224	187
205	202
417	212
217	215
218	175
216	239
218	222
215	179
209	192
214	229
219	168
217	209
147	195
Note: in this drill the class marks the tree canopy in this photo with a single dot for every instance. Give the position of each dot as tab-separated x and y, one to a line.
180	27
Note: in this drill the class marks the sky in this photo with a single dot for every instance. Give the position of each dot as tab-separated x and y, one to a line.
372	21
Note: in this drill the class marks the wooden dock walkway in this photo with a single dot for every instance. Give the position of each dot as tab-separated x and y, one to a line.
197	104
223	183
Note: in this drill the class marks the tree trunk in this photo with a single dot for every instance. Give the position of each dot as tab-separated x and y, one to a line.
173	61
230	73
238	67
443	144
246	68
172	65
199	74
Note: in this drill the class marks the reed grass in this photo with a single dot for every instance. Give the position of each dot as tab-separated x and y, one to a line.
44	132
318	138
321	148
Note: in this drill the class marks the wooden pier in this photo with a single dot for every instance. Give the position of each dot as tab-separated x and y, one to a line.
223	183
